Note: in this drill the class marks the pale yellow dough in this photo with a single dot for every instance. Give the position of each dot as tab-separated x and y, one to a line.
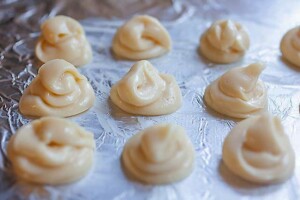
225	41
159	154
63	38
258	150
290	46
238	93
58	90
144	91
51	151
142	37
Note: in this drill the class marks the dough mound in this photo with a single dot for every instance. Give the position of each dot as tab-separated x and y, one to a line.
160	154
51	151
290	46
258	150
225	41
63	38
144	91
238	93
142	37
58	90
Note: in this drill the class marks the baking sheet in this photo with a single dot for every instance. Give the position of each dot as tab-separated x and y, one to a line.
266	22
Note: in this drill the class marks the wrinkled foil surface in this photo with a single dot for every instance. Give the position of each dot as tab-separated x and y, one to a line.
266	22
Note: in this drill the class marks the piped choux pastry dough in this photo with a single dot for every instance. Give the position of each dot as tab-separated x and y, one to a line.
290	46
225	41
258	150
51	151
142	37
63	38
160	154
238	93
145	91
58	90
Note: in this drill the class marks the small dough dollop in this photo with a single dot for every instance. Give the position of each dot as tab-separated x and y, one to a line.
142	37
225	41
51	151
238	93
290	46
63	38
258	150
158	155
144	91
58	90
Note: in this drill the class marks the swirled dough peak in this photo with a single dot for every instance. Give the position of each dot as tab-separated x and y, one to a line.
144	91
258	150
158	155
142	37
225	41
51	151
238	93
58	90
63	38
290	46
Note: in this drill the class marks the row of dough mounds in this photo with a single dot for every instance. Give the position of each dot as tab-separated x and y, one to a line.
54	151
60	90
62	37
144	37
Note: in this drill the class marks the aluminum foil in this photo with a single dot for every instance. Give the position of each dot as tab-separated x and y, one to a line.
266	22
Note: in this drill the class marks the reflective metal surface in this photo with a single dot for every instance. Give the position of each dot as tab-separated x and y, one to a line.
266	22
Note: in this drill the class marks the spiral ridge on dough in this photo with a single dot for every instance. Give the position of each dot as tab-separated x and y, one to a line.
63	38
143	90
225	41
51	151
258	150
158	155
58	90
290	46
238	93
142	37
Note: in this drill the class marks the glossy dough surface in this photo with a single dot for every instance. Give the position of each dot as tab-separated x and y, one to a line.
159	154
142	37
238	93
144	91
258	150
225	41
63	38
290	46
51	151
58	90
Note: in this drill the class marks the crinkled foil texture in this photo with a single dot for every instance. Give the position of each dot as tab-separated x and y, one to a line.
266	22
